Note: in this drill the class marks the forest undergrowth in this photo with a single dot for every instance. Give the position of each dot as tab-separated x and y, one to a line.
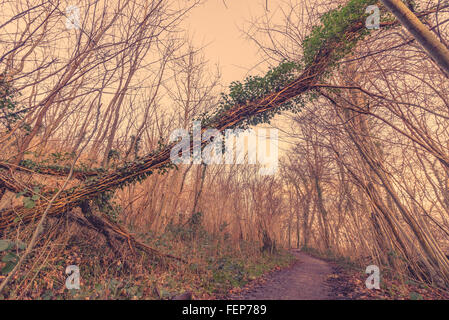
212	265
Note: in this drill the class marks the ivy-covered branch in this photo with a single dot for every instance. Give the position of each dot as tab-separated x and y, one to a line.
80	173
254	101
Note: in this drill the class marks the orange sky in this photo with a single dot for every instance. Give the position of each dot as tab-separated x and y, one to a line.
217	26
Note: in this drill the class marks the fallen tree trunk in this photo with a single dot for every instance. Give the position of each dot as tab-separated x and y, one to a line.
114	232
143	167
51	170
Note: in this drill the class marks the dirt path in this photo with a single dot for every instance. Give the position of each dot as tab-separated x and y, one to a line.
306	279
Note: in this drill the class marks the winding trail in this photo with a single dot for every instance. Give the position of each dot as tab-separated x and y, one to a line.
306	279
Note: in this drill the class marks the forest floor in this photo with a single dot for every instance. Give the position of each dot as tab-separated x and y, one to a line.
311	277
216	269
212	267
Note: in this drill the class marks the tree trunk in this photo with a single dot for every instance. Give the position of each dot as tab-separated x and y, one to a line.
426	38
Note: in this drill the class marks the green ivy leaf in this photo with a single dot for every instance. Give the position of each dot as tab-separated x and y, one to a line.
20	245
8	268
10	257
18	195
4	245
28	203
415	296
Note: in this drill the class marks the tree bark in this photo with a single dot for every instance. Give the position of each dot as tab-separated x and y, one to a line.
426	38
